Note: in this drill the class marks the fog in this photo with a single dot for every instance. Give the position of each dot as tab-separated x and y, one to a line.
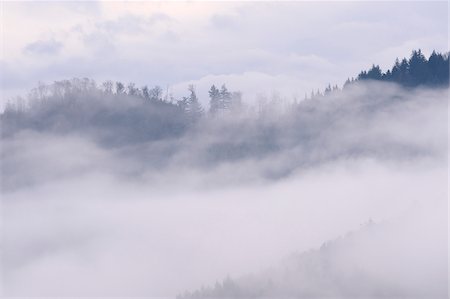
251	195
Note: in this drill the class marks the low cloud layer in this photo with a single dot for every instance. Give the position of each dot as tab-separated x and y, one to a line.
88	212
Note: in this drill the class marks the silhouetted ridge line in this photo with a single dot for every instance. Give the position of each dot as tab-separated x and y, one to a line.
409	73
412	72
119	114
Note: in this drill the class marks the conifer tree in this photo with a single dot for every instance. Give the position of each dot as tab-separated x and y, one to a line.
194	108
214	102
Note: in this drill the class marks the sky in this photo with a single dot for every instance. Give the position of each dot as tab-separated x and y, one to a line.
259	48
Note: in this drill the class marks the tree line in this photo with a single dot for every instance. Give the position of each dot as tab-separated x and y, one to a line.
222	101
412	72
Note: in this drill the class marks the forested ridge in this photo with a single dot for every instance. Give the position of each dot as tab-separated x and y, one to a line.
412	72
417	71
152	114
115	114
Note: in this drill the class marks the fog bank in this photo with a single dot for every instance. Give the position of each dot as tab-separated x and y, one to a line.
89	212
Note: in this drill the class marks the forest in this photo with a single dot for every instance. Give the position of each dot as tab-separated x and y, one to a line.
412	72
125	113
113	115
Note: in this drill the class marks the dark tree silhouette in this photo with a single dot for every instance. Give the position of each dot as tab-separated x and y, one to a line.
214	102
412	72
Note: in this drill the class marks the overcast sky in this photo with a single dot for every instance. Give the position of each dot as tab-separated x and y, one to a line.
289	47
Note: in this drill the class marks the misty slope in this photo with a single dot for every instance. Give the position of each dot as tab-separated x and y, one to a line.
137	138
226	194
112	120
397	259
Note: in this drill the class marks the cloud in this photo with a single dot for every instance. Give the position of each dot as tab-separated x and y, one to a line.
103	237
224	22
44	47
133	24
126	218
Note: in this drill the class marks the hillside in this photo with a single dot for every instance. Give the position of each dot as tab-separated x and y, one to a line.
379	260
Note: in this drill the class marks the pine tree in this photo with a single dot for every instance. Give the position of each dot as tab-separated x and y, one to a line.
374	73
418	68
225	98
438	69
396	73
214	102
194	107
